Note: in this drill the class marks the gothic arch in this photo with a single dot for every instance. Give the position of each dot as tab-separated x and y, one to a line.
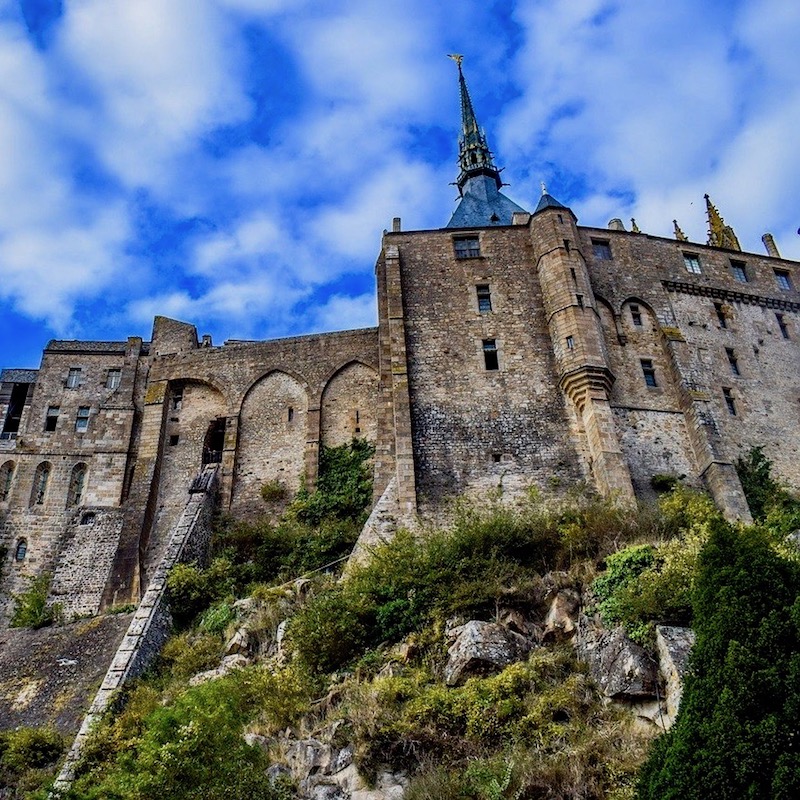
41	481
348	405
288	371
273	430
6	480
77	485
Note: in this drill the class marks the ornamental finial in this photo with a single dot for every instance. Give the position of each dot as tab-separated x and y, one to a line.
457	57
544	188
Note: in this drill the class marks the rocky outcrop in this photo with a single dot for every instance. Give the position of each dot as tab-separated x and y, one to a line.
325	772
561	621
621	668
673	646
480	648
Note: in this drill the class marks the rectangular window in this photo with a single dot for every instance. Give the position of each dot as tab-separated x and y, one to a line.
783	279
636	315
732	361
692	262
570	343
490	354
739	271
649	372
51	420
728	395
74	378
177	400
723	322
113	378
782	325
467	247
579	298
484	298
82	419
601	250
173	440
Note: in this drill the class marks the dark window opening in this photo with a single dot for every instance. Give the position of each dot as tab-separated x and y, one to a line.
40	480
579	298
490	354
177	400
566	245
77	484
467	247
484	298
574	276
783	279
173	440
82	419
739	271
570	343
214	442
21	550
494	218
782	326
496	458
723	322
88	518
727	394
113	378
601	250
290	414
649	372
51	420
692	262
19	394
636	315
732	360
6	479
560	218
74	378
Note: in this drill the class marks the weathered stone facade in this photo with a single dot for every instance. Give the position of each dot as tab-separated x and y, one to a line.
507	355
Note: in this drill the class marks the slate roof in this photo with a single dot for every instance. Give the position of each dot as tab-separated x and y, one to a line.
18	375
482	205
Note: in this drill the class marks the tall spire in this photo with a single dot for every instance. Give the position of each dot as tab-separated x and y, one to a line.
719	234
474	156
481	203
679	234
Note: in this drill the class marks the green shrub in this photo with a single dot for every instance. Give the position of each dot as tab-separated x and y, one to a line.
191	652
273	491
31	608
28	759
217	617
344	485
662	482
191	589
735	735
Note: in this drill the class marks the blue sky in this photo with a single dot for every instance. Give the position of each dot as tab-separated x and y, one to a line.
232	163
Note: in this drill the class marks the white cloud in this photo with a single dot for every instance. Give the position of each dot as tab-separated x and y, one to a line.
345	313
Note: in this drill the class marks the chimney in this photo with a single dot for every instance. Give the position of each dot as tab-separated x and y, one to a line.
769	243
615	224
396	225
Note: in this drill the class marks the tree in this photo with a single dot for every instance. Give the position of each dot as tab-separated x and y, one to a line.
737	734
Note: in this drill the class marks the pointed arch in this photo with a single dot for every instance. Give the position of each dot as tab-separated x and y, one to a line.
349	404
21	549
41	481
6	480
273	431
77	485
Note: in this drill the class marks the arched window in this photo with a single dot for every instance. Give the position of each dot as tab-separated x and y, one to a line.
40	481
21	551
6	477
77	484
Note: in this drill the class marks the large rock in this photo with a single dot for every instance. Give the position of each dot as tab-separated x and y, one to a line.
673	646
480	648
560	623
621	668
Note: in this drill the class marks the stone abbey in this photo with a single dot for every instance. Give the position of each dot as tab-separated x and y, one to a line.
514	348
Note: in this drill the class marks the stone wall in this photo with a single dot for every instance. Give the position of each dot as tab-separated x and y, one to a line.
151	625
475	428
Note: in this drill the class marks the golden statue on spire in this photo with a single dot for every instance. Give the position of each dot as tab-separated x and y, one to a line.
457	57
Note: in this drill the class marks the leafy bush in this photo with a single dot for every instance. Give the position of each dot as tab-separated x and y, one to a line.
273	491
188	653
193	747
28	757
191	589
31	608
735	735
344	485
